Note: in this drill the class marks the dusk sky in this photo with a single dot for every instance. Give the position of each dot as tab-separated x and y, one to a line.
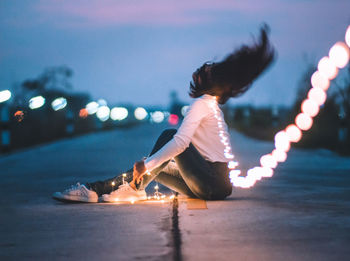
137	51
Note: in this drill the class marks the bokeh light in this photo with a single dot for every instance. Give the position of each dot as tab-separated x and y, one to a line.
310	107
319	81
317	95
266	172
173	119
232	164
103	113
102	102
5	95
36	102
282	142
140	113
347	36
92	107
119	113
184	110
268	161
157	116
234	173
59	103
303	121
327	68
83	113
339	54
294	133
279	155
255	173
19	115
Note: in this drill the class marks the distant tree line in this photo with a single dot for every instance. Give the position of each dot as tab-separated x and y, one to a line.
33	126
331	127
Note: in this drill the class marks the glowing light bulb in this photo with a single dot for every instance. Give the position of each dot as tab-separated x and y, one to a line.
319	81
266	172
281	136
279	155
113	183
268	161
249	182
310	107
124	176
232	164
254	172
317	95
228	156
347	36
303	121
282	141
327	68
235	173
238	181
339	54
294	133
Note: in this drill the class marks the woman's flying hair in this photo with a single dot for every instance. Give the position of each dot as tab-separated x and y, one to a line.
237	71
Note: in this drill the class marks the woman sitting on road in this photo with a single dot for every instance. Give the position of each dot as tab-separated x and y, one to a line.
192	160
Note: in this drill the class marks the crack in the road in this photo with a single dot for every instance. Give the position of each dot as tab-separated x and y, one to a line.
175	231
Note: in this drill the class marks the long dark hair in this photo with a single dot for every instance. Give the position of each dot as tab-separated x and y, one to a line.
237	71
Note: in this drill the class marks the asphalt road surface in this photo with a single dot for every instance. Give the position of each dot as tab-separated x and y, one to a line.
301	213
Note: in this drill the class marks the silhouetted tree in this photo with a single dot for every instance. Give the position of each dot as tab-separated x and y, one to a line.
342	97
57	77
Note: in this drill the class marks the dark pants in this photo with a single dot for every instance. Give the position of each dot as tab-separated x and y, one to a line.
189	173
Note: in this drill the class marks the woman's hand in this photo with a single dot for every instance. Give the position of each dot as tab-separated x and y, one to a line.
139	171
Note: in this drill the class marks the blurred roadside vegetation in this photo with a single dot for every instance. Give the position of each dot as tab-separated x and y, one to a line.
29	127
331	127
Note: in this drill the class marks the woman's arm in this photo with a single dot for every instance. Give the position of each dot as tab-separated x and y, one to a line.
181	140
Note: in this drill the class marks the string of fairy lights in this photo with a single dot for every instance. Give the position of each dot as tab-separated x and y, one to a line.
327	70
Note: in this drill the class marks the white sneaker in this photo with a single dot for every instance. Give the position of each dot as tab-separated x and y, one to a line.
125	193
78	193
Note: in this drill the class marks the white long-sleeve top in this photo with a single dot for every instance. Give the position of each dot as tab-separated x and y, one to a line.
199	127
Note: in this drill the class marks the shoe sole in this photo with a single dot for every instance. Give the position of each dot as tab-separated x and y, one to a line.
71	199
